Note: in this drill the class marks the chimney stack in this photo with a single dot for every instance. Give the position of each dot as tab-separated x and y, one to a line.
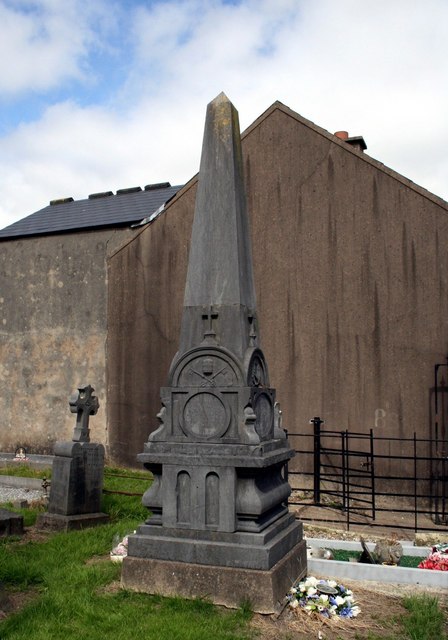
357	142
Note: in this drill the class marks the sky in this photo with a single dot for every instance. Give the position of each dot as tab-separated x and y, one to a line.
109	94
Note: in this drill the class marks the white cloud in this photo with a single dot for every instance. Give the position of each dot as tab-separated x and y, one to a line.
376	69
45	42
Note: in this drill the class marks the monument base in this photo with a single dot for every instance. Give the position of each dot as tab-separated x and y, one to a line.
227	586
57	522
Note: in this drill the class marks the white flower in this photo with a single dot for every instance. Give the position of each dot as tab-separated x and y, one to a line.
304	595
311	581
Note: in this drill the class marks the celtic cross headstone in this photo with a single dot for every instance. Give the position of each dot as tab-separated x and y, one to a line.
77	474
84	404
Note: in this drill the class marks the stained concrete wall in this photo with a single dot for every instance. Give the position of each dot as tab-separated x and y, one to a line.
351	265
53	324
146	288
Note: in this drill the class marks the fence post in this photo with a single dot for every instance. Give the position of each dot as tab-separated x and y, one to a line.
346	466
415	484
316	421
372	475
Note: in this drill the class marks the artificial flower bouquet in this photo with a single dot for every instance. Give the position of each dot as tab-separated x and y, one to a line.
325	597
437	559
120	549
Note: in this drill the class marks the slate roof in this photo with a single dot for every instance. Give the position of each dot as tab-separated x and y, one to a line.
125	207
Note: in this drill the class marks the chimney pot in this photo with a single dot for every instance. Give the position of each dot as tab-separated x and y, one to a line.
342	135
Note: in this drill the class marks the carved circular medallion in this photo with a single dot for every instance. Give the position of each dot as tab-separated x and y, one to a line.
207	370
264	412
205	416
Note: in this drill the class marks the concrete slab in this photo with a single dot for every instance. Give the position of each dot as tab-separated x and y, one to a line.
23	483
378	573
354	545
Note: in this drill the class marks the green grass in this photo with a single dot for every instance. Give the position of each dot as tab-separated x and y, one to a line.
120	506
406	561
424	620
73	602
70	577
29	514
71	580
24	470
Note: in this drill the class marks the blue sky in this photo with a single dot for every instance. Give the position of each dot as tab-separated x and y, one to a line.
107	94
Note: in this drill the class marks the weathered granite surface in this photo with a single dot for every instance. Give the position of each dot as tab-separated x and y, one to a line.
219	496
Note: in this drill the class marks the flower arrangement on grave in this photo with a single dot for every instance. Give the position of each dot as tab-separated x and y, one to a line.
120	549
437	559
20	455
325	597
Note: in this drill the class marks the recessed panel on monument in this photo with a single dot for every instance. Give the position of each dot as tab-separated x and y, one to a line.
219	496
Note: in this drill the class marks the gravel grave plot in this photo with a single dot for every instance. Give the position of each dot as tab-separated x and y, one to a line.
16	494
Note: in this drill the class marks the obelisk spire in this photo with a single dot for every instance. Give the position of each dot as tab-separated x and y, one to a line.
219	302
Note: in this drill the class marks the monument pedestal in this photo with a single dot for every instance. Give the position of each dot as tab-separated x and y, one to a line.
239	549
227	586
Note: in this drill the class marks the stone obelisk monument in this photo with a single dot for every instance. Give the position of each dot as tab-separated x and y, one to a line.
219	524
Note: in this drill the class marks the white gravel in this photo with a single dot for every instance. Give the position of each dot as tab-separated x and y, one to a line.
14	494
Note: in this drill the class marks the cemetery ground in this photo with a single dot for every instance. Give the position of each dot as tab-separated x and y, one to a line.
63	585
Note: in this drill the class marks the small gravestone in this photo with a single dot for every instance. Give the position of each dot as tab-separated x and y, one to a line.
11	524
77	478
